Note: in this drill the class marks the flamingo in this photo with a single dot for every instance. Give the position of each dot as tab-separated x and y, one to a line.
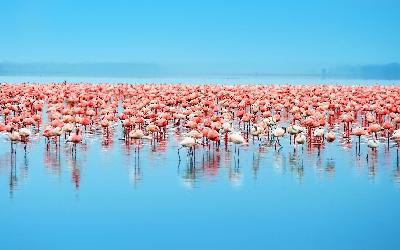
226	127
330	136
319	134
300	139
24	133
206	111
196	134
374	129
293	130
187	142
14	137
387	126
75	138
136	134
256	130
396	135
238	140
105	123
57	131
359	131
278	133
372	144
68	128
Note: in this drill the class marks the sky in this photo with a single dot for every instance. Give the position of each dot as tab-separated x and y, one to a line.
234	36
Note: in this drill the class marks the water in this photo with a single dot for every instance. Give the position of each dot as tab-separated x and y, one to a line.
202	79
107	199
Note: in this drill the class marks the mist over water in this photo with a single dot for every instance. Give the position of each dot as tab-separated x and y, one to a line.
201	79
389	71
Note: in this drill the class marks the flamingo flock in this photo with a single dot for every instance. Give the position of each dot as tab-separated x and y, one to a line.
210	117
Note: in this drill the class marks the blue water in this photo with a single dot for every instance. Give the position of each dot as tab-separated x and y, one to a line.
203	79
107	199
112	197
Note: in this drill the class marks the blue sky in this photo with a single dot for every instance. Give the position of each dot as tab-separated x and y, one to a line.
251	35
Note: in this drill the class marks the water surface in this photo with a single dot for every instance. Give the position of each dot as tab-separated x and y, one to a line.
111	197
119	196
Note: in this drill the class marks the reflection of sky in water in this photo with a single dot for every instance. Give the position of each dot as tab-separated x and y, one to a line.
113	197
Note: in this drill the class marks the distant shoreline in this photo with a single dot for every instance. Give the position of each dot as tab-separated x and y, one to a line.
390	71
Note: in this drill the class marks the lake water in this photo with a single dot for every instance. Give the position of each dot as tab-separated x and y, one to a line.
112	197
203	79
